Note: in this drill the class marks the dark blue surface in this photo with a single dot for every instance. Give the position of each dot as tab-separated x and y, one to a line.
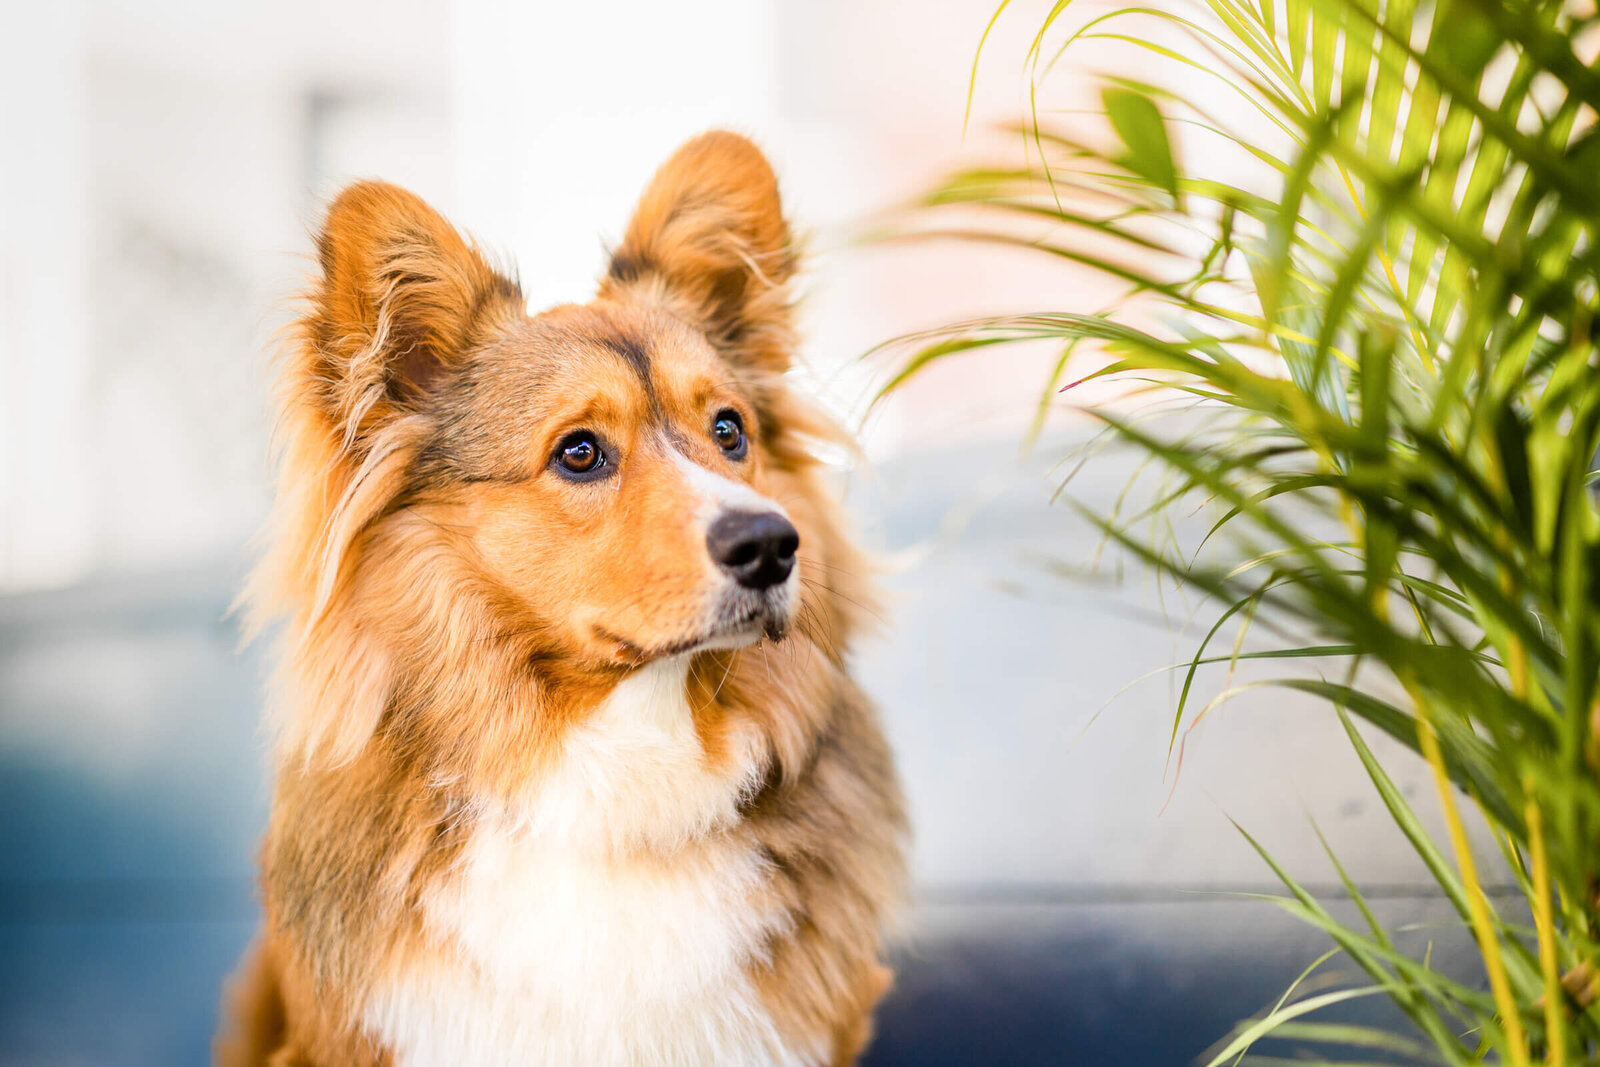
96	992
1138	984
1000	984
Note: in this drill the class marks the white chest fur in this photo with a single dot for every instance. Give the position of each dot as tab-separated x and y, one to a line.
602	922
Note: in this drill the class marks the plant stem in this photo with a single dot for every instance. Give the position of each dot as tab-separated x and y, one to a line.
1544	922
1477	902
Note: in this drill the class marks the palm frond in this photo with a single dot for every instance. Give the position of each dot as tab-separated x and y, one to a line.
1385	317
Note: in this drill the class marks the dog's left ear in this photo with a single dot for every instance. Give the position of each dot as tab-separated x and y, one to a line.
708	237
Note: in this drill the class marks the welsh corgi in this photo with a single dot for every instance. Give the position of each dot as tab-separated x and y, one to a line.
570	766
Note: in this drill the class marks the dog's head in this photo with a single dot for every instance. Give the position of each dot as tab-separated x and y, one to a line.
605	466
590	487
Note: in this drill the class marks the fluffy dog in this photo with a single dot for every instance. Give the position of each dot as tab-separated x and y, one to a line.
570	765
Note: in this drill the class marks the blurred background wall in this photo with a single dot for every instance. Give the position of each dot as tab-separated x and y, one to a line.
162	163
166	160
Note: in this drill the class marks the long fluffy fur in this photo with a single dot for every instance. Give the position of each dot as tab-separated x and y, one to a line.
434	692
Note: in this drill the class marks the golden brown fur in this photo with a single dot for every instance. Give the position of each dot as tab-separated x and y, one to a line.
453	610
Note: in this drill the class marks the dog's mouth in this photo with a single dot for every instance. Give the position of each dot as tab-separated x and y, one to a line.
768	617
752	624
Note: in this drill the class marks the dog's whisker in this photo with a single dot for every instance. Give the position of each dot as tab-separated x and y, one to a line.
817	583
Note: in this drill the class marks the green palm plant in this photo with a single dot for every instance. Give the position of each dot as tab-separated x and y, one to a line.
1387	328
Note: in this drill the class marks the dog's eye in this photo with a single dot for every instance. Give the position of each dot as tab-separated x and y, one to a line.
579	454
728	432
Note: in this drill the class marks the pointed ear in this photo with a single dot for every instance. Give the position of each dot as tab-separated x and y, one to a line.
709	238
401	300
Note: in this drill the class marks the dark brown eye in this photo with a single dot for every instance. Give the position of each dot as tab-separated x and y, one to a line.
579	455
728	432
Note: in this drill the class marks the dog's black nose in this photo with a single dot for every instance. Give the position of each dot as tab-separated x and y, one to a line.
756	547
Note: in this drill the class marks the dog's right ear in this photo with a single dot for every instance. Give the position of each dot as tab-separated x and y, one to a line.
401	300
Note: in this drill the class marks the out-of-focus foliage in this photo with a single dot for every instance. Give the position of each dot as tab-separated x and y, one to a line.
1361	238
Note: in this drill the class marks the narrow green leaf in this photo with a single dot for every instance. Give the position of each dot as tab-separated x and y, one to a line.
1298	20
1137	122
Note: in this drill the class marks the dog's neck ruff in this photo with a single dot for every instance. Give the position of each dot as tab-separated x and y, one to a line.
610	917
634	774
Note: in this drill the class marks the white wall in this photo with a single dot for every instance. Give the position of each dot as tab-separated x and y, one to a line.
44	266
165	159
563	111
